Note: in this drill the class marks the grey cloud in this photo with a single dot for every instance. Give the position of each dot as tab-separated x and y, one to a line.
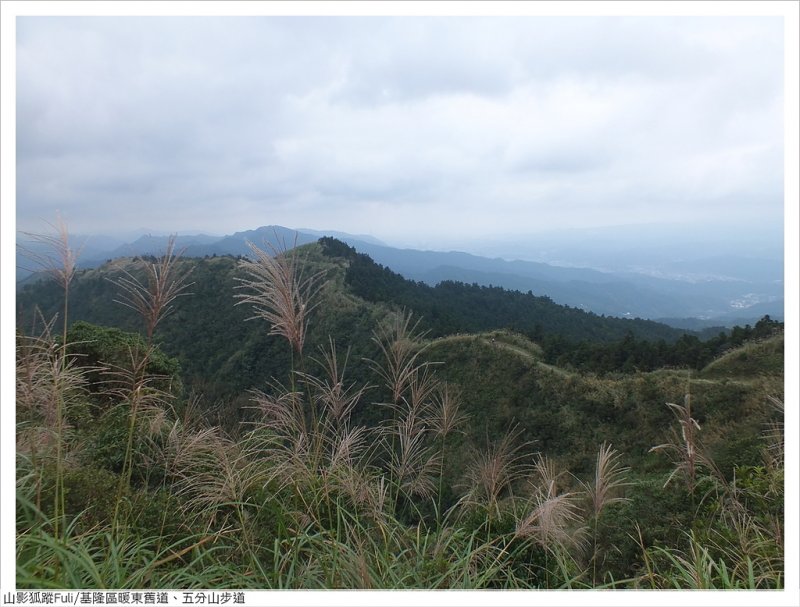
470	62
343	123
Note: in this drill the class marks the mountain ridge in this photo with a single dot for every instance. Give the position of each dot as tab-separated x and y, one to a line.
622	294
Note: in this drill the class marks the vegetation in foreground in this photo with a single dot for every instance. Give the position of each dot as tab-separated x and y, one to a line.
122	483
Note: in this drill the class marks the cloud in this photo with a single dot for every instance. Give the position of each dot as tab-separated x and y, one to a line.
397	126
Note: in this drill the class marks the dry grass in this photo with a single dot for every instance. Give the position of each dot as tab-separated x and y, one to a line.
49	382
153	299
495	470
39	371
446	416
57	259
413	464
331	395
280	411
400	343
279	293
213	474
48	385
132	384
609	479
684	445
552	514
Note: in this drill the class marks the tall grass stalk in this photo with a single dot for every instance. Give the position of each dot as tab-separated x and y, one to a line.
407	379
446	419
553	515
400	344
59	261
684	446
153	299
609	478
494	471
279	293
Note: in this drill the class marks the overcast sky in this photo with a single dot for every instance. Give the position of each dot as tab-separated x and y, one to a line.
406	128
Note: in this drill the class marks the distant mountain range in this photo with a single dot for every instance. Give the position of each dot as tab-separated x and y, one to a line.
723	290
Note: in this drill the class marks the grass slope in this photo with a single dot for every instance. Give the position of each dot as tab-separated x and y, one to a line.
756	358
567	414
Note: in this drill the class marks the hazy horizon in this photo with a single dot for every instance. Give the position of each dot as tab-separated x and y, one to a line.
658	250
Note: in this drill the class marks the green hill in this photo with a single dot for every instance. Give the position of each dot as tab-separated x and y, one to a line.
377	461
505	380
754	358
223	355
475	331
452	307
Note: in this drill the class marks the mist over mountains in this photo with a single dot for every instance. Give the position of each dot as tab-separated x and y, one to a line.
685	284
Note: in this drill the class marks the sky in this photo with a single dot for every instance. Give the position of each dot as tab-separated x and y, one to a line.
411	129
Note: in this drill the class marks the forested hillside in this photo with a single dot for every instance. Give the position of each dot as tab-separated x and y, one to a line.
311	419
234	355
451	307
